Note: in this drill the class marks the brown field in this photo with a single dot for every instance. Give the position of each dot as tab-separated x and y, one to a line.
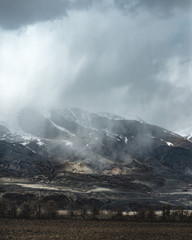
18	229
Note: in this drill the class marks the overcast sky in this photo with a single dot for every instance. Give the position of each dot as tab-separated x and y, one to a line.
130	57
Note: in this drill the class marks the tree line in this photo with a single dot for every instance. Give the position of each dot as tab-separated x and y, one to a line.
37	209
28	209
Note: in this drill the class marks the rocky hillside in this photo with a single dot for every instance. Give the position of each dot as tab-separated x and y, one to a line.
119	157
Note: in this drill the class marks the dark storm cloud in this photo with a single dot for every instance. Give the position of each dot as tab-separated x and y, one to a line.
16	13
163	7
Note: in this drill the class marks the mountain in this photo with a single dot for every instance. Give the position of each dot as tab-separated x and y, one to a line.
84	156
186	133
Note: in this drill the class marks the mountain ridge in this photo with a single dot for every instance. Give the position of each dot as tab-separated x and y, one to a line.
123	156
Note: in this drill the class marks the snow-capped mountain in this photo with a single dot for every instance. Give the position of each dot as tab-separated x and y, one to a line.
110	151
186	133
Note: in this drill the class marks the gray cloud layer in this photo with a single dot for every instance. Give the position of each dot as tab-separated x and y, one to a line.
16	13
128	57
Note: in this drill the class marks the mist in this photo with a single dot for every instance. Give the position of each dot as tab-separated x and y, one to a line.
132	58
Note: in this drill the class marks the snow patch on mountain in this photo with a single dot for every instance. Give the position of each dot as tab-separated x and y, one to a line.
170	144
186	133
126	140
110	116
67	143
40	143
62	129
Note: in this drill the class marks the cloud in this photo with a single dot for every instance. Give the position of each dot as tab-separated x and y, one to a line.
16	13
162	8
99	56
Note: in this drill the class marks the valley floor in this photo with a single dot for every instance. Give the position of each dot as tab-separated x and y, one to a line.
18	229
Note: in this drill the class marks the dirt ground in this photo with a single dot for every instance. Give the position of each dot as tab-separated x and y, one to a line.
18	229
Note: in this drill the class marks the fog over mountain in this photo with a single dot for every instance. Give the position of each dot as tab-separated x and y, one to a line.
132	58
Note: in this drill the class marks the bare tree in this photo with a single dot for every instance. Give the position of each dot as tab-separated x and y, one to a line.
26	210
95	211
84	210
37	208
71	209
141	214
12	210
3	208
50	209
166	212
151	214
119	213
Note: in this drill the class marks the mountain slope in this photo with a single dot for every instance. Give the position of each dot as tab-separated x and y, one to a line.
102	156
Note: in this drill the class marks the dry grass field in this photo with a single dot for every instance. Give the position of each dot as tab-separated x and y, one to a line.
18	229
